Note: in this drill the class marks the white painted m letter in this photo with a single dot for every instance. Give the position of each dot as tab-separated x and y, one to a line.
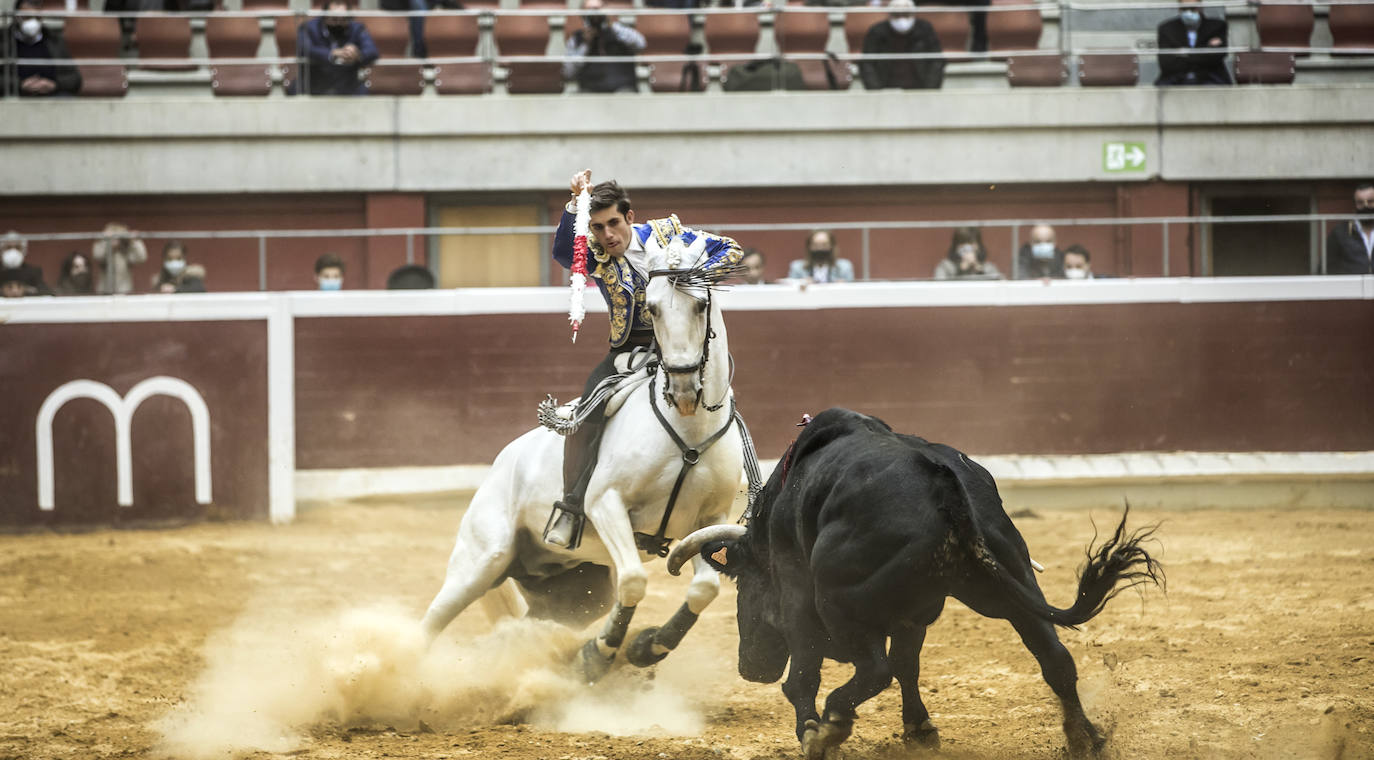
123	410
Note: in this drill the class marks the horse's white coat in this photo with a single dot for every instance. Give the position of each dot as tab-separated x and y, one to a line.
635	474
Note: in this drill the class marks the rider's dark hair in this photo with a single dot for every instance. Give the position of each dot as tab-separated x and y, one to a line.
607	194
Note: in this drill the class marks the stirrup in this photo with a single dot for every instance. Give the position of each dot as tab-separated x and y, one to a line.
565	525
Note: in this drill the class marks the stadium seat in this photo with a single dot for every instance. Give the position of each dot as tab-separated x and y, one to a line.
95	37
241	79
952	27
732	33
1036	70
1256	67
391	34
1287	25
527	35
164	42
1016	30
463	78
395	78
452	36
232	36
534	78
802	31
1352	26
286	31
266	5
665	34
668	77
1108	70
814	74
856	26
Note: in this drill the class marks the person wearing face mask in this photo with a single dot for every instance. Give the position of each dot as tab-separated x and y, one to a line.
1200	43
329	272
821	264
43	76
336	49
1350	245
76	278
1078	263
13	250
600	36
177	275
115	254
967	259
1039	258
902	32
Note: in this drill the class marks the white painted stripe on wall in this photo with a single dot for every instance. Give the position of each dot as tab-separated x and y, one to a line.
281	413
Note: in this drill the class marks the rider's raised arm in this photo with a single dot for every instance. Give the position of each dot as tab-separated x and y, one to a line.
563	240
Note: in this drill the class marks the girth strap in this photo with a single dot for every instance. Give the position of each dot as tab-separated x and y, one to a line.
657	544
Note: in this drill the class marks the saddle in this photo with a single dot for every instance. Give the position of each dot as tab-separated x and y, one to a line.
633	369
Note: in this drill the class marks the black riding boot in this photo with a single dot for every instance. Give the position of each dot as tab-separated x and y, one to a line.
567	520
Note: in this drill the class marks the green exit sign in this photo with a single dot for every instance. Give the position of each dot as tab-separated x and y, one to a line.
1123	157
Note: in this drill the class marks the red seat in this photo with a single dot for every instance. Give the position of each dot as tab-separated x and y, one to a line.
395	78
451	36
1352	26
952	27
664	33
534	78
95	37
391	34
814	74
286	32
1108	70
101	81
1254	67
732	33
1285	25
1036	71
164	42
667	77
521	35
802	31
232	36
856	26
463	78
1015	30
242	79
266	5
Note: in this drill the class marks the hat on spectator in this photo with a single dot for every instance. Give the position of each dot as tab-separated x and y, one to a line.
901	4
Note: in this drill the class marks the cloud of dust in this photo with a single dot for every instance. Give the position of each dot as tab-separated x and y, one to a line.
266	680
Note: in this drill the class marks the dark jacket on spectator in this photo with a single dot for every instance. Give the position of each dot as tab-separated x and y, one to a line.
922	73
1196	67
31	276
1345	251
50	46
315	41
614	39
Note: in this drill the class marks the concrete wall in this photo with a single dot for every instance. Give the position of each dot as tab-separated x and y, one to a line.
699	141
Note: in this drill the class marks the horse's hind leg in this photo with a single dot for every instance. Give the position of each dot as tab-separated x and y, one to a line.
481	555
504	602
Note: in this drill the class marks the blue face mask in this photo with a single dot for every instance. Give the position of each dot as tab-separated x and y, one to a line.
1042	250
331	283
1191	19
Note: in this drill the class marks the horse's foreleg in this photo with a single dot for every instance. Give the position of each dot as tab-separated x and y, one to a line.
503	602
611	520
653	644
481	555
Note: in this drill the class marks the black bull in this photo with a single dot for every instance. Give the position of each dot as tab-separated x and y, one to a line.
857	539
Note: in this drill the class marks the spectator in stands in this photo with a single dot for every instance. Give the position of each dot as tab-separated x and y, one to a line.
177	275
34	40
1078	263
1190	31
417	22
329	272
600	36
902	32
336	49
1350	246
967	258
12	284
821	264
752	261
76	277
410	277
115	253
1040	257
13	249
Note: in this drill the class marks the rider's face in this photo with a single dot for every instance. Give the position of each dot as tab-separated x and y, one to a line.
612	230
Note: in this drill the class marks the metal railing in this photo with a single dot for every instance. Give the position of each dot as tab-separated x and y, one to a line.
864	265
1063	10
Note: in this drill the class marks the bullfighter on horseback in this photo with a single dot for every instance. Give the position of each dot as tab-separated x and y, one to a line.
618	250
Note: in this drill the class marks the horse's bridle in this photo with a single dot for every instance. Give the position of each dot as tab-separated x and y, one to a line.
700	365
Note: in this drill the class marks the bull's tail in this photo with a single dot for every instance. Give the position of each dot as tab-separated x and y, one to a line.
1117	564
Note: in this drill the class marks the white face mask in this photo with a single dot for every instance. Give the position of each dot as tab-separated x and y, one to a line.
902	25
1042	250
174	266
30	27
12	258
1076	274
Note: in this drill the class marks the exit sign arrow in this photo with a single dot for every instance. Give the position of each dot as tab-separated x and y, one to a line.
1123	156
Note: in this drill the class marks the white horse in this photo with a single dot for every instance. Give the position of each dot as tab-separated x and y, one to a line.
689	398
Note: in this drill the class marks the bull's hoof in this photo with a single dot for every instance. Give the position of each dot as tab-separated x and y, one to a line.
591	664
924	736
819	740
1085	742
640	652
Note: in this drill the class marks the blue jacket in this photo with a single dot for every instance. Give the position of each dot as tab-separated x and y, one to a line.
622	286
326	77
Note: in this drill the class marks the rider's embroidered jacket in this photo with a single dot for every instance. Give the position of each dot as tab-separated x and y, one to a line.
622	285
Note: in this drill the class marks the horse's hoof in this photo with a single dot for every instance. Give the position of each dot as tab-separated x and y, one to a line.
922	736
640	653
820	740
591	664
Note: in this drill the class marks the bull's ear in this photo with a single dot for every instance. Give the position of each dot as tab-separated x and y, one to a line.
723	556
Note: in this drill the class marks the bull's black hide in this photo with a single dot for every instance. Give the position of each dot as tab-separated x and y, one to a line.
857	539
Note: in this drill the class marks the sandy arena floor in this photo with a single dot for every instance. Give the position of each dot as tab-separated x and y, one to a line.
223	640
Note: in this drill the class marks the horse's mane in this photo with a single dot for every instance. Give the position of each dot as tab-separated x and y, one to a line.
700	276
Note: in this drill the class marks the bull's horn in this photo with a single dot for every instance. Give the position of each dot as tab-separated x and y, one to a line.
691	545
